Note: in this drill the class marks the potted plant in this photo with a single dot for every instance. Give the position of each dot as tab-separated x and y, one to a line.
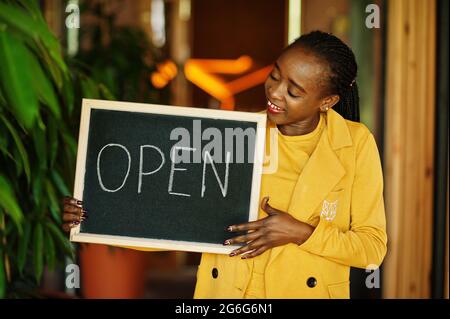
38	94
121	57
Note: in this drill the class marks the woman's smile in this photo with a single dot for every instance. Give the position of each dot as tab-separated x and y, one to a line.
273	108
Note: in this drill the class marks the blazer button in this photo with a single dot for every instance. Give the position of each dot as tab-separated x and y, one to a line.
215	273
311	282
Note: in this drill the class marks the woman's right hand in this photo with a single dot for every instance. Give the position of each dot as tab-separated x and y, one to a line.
73	213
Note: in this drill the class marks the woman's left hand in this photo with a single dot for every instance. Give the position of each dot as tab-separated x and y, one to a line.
277	229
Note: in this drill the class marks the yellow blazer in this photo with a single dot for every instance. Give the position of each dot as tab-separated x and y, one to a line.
340	192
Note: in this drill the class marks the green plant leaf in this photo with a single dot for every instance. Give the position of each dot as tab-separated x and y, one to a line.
44	88
36	188
17	18
23	245
19	163
50	64
52	141
68	95
2	99
21	149
9	203
32	7
54	206
50	254
4	142
2	275
33	25
69	142
89	88
38	253
40	146
61	240
54	49
60	184
105	92
16	80
5	151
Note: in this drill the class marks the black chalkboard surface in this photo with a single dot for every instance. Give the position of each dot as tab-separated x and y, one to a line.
166	177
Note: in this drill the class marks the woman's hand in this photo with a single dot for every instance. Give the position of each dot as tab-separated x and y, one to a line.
277	229
73	213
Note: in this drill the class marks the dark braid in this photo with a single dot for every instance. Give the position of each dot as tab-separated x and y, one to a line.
343	69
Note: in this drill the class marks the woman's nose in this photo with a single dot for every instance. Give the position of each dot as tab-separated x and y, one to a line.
275	92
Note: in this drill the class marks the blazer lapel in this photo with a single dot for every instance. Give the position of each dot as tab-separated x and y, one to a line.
322	172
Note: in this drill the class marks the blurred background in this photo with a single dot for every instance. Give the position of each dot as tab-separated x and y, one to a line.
209	54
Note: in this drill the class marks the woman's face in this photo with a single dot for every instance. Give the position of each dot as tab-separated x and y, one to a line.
294	88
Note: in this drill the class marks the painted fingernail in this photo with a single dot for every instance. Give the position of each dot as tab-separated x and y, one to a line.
232	254
79	202
76	222
230	228
226	242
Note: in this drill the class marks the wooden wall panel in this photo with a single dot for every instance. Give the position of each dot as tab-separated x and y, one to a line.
409	147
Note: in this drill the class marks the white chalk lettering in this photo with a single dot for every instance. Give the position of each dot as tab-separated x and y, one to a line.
173	169
141	173
98	167
224	186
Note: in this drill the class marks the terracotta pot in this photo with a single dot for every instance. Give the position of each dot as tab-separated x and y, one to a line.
112	272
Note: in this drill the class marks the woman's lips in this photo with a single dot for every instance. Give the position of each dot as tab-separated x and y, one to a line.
272	108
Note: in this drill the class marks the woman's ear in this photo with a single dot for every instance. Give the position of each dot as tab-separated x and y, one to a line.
328	102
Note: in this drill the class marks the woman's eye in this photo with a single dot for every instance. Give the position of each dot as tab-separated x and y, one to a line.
292	95
273	77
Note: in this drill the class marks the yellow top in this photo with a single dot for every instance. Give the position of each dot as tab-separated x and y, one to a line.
293	154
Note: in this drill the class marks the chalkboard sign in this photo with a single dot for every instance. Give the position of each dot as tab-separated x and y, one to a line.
166	177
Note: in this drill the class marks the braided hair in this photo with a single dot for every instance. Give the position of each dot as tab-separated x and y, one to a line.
342	66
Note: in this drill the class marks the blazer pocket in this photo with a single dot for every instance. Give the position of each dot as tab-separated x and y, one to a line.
340	290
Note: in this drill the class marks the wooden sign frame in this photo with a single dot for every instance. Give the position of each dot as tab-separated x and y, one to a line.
90	104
